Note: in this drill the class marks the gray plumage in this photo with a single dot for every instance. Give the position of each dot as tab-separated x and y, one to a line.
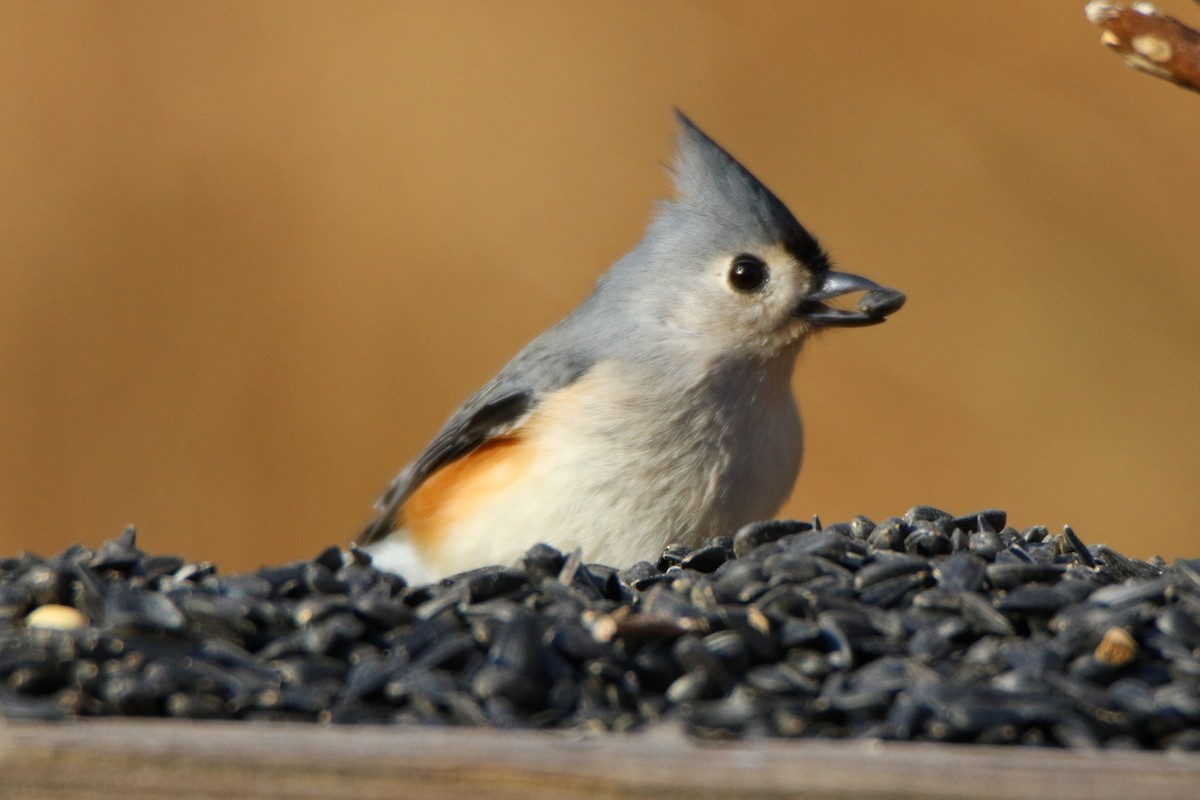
690	352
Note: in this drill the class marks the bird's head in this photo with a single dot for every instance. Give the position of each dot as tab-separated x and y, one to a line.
725	266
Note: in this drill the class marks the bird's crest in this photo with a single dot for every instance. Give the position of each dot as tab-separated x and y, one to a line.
710	182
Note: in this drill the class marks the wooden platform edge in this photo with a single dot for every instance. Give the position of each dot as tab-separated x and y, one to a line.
136	759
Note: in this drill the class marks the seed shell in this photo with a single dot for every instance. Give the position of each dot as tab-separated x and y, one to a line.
924	626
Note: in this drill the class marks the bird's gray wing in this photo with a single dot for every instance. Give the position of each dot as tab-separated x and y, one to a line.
500	407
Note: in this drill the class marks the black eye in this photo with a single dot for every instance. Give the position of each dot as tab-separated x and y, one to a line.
748	273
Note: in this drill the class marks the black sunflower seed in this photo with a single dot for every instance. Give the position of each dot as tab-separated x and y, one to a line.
923	626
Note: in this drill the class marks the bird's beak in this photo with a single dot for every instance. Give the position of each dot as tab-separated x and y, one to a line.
873	308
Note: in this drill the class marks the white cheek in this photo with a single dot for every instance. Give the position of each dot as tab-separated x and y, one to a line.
773	305
727	319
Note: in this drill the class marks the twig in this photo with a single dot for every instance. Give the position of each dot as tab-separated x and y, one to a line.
1149	41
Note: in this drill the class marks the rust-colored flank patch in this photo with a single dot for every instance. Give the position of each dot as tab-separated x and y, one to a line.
456	490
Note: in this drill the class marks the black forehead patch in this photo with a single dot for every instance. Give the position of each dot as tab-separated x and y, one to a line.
806	249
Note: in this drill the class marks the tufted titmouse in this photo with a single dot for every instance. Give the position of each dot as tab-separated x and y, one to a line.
659	410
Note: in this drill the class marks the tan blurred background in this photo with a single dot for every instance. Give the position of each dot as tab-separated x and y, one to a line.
251	255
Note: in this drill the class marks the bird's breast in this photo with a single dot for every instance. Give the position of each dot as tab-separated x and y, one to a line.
622	463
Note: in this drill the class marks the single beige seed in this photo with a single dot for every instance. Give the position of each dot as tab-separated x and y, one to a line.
55	617
1118	647
603	626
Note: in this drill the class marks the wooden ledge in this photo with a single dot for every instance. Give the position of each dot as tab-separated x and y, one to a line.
133	760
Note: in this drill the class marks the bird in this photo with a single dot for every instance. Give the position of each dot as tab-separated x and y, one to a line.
660	410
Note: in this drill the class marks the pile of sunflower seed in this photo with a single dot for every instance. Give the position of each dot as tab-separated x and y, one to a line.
921	627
